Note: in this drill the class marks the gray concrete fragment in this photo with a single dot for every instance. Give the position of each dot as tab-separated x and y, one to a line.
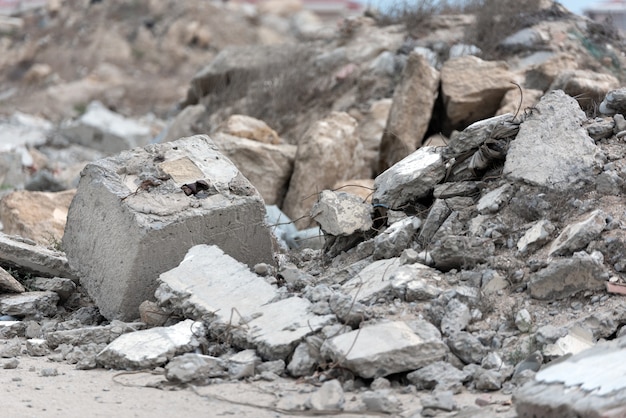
492	201
383	349
104	334
9	283
106	131
456	318
565	277
439	375
30	256
488	380
523	320
416	281
460	251
372	282
341	214
243	364
552	149
438	213
62	287
278	327
302	362
396	238
29	304
578	235
467	347
588	384
441	400
130	208
576	340
411	178
212	285
37	347
151	347
535	236
193	367
329	397
381	400
11	348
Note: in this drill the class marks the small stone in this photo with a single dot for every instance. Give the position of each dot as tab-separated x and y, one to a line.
37	347
532	363
380	383
329	397
11	364
381	401
49	372
443	400
523	320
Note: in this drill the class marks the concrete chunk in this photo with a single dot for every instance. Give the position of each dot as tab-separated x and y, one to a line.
29	304
341	214
576	236
588	384
30	256
565	277
552	149
130	220
210	284
282	325
411	178
383	349
152	347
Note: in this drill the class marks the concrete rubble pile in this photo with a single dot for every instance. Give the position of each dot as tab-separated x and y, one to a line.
484	263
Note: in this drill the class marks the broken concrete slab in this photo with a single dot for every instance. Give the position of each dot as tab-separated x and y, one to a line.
279	326
589	384
151	347
28	255
211	285
536	236
59	285
385	348
552	149
107	131
576	340
104	334
372	282
8	283
454	251
578	235
341	214
411	178
413	282
193	367
396	238
565	277
29	304
130	208
209	282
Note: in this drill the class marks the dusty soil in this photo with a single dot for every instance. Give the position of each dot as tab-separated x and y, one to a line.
106	393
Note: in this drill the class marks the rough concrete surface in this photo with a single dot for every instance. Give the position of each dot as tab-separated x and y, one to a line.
129	208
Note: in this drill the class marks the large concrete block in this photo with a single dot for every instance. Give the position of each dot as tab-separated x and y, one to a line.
130	220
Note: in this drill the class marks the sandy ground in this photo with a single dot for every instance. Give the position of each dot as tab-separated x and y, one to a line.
73	393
